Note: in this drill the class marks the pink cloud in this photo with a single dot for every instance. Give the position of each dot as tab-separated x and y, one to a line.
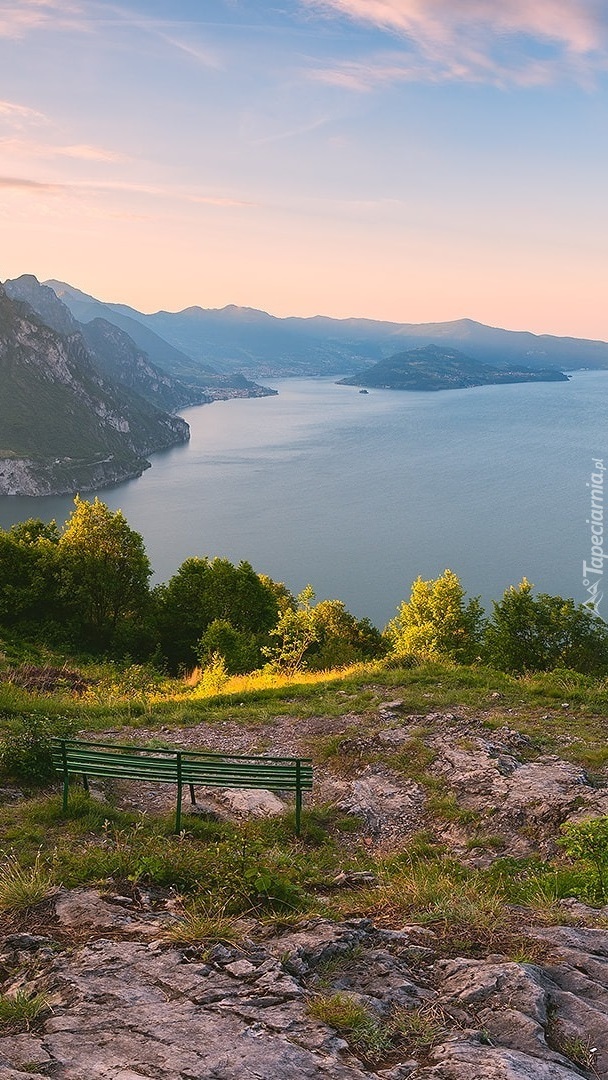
18	115
470	39
25	184
21	16
85	152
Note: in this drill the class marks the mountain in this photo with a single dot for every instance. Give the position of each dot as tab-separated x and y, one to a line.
63	426
116	356
432	367
85	308
191	370
261	345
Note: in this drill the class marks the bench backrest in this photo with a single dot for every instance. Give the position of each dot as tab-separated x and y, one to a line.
166	765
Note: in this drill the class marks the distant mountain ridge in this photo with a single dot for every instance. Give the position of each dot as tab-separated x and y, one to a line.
261	345
116	355
433	367
189	369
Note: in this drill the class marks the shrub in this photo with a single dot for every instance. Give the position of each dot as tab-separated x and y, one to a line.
539	633
25	752
213	678
587	841
437	622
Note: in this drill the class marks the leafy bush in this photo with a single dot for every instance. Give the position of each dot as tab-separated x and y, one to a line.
540	633
25	752
437	622
587	842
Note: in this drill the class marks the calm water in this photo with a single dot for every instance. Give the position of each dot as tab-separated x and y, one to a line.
359	494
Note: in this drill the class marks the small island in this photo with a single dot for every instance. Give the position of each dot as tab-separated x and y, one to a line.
432	367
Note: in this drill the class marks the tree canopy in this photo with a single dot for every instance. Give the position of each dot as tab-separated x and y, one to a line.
104	568
205	590
538	633
437	622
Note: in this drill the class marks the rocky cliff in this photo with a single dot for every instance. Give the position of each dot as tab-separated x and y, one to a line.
63	426
115	355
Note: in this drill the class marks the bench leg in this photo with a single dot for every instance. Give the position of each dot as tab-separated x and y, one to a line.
178	812
192	795
66	786
298	810
85	782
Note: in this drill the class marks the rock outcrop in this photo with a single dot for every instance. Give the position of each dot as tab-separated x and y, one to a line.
123	1002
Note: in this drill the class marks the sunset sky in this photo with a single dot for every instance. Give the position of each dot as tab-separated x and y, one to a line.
412	160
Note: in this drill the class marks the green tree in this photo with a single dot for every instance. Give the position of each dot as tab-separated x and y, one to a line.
437	622
295	632
320	636
239	649
341	638
28	572
538	633
204	590
104	569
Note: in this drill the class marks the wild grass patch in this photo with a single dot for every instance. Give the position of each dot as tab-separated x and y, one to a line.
19	1011
22	887
363	1031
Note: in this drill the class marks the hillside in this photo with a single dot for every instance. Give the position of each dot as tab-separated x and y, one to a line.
191	370
63	427
435	367
427	924
262	345
120	359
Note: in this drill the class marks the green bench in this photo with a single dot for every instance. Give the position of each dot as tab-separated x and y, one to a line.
181	767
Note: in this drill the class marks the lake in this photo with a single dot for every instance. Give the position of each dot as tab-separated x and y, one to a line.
360	493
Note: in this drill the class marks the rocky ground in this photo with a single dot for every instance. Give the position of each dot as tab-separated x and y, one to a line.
126	1003
370	766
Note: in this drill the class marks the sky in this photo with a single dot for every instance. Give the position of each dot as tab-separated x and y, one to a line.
410	160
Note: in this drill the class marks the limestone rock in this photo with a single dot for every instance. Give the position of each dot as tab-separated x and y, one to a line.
471	1061
249	803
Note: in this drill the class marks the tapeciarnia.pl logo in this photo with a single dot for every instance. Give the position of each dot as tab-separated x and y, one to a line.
593	571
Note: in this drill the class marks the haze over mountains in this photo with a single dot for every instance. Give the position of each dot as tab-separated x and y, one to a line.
89	389
258	344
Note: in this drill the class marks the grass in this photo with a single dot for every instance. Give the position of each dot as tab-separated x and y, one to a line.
201	926
337	965
421	1028
442	894
22	887
363	1032
19	1011
411	1031
226	870
446	807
